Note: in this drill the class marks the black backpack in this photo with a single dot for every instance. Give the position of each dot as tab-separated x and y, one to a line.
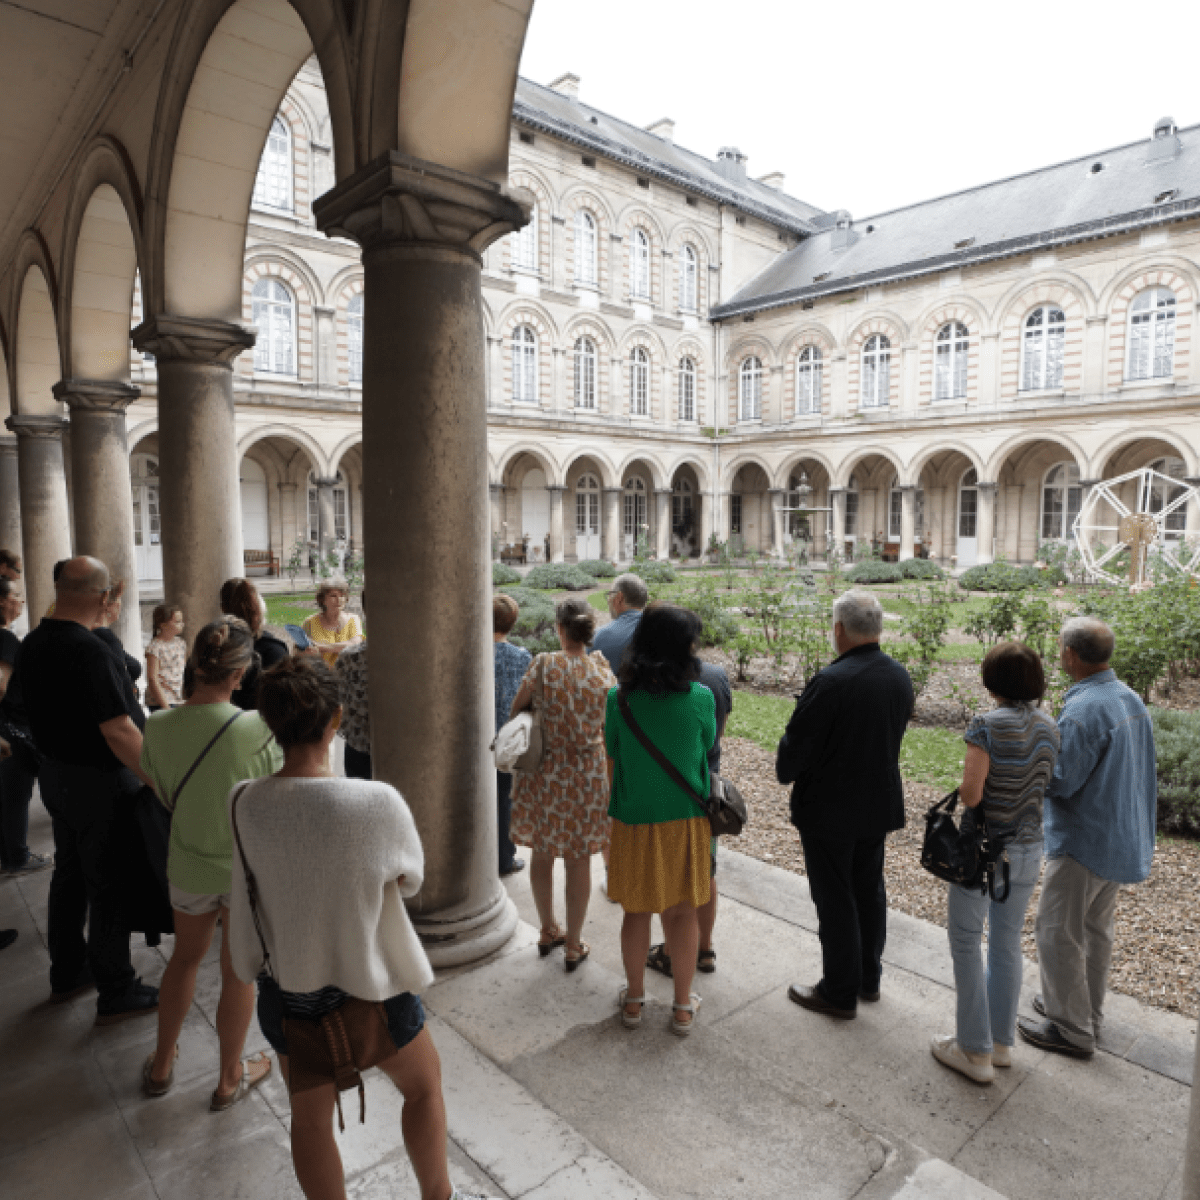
970	858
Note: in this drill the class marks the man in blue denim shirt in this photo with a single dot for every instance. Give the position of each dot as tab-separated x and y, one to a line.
1099	828
626	599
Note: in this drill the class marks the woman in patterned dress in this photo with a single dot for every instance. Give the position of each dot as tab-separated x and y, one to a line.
560	810
333	630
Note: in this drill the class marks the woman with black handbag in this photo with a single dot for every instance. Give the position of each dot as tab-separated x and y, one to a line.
1011	752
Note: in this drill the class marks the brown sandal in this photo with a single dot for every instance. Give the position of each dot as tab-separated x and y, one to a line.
157	1087
557	938
580	953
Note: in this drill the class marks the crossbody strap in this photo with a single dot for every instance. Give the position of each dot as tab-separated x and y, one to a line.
251	882
655	753
216	737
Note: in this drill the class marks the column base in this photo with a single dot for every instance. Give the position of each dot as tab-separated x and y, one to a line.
452	941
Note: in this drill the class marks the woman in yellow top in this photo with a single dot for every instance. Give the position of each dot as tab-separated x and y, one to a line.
332	629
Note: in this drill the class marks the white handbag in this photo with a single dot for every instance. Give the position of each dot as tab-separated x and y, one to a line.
518	745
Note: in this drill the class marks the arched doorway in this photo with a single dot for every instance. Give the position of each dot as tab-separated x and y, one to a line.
683	518
535	513
147	519
635	514
587	517
967	544
256	522
1062	497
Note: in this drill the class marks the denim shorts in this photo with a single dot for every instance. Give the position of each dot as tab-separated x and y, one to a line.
405	1015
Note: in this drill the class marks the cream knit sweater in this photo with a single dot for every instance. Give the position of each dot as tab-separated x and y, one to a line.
327	854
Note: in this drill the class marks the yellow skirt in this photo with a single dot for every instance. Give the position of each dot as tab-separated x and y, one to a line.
654	867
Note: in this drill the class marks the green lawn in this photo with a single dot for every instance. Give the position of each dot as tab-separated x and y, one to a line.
933	756
290	609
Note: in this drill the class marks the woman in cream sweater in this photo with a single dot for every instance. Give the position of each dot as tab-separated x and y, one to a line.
333	860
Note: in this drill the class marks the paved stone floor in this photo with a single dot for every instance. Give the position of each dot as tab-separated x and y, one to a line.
549	1098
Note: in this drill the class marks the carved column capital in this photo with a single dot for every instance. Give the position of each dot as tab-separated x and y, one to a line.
42	427
96	395
399	199
325	481
8	445
192	339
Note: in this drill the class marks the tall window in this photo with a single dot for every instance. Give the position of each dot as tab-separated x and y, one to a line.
876	371
639	382
340	529
587	506
968	504
852	507
273	183
525	245
586	266
808	381
750	375
735	513
950	362
524	365
896	512
639	265
274	314
1152	334
1062	498
585	373
689	277
1160	495
1042	349
354	336
634	510
687	389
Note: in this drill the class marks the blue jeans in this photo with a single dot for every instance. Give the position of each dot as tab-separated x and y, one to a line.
987	997
504	783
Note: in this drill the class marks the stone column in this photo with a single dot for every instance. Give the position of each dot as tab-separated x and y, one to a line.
707	528
837	522
289	530
662	523
103	497
325	345
558	385
557	525
496	496
908	520
725	517
495	373
1191	531
10	497
423	229
326	513
612	524
985	527
558	252
197	458
776	496
45	521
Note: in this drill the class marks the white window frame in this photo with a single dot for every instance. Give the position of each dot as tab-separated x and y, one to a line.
354	337
587	506
1068	502
809	364
639	264
585	373
273	311
587	241
341	501
951	357
524	365
852	507
750	389
689	279
1043	343
524	245
1151	335
875	385
639	382
687	388
273	182
968	484
1158	495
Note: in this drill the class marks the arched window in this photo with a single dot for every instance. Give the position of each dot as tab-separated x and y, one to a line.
896	511
1152	335
340	525
273	183
876	371
639	382
852	507
689	280
354	336
950	361
1160	495
808	381
585	373
687	389
587	269
634	514
524	365
525	245
1042	349
1062	498
750	375
274	315
587	507
639	265
683	512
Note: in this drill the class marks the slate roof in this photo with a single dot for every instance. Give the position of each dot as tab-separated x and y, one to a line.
1069	202
540	108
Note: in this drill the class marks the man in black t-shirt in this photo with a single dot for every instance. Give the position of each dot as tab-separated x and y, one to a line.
78	713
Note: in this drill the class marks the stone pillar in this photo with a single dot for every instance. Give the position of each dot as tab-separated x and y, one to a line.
558	252
325	345
725	517
989	369
197	458
495	372
776	495
423	229
908	520
662	523
612	524
837	522
10	497
326	514
558	385
986	523
707	527
496	495
45	521
557	524
103	497
1191	531
289	529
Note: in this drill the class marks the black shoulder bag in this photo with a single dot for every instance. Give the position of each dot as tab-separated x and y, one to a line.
724	804
970	858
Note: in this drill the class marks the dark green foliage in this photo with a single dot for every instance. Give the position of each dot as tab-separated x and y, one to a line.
921	568
598	568
997	622
1004	577
925	629
871	570
535	623
502	573
555	576
653	571
1177	740
703	598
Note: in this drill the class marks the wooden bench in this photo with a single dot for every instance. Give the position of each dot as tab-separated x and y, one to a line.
259	559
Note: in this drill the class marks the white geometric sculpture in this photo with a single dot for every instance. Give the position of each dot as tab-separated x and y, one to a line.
1157	498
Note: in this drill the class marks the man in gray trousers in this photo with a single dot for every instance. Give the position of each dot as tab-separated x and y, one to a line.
1099	828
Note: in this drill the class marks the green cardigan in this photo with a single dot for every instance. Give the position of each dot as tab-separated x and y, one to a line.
683	725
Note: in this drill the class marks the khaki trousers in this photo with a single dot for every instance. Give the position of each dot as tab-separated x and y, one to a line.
1074	931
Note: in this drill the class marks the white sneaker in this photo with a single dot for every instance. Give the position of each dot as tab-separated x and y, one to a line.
974	1066
1001	1055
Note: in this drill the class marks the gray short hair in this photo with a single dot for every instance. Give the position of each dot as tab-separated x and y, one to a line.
633	588
1090	638
860	614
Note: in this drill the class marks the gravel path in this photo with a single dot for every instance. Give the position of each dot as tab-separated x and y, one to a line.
1158	922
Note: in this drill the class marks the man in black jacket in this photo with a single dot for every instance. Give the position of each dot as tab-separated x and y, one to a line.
841	753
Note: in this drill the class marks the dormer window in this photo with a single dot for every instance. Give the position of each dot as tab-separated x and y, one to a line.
1167	196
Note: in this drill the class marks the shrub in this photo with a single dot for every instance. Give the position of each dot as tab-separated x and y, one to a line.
996	622
598	568
552	576
921	568
871	570
1003	577
720	625
925	629
502	573
653	571
1177	740
534	621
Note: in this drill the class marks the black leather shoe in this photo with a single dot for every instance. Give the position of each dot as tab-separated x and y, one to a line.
140	1001
518	864
1045	1035
1039	1005
869	997
83	983
7	937
811	998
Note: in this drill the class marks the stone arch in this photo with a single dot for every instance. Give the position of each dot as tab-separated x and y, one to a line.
321	462
961	310
6	407
1179	276
1062	290
337	455
809	454
896	332
1126	440
554	473
747	458
853	461
926	454
702	470
605	467
653	467
1028	438
535	185
38	366
274	264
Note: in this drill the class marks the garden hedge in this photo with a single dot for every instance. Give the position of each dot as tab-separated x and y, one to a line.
535	622
502	573
599	568
654	571
999	577
1177	740
873	571
921	568
554	576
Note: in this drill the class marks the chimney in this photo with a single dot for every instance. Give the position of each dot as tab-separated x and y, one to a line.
1164	145
731	164
664	129
774	180
566	85
844	234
